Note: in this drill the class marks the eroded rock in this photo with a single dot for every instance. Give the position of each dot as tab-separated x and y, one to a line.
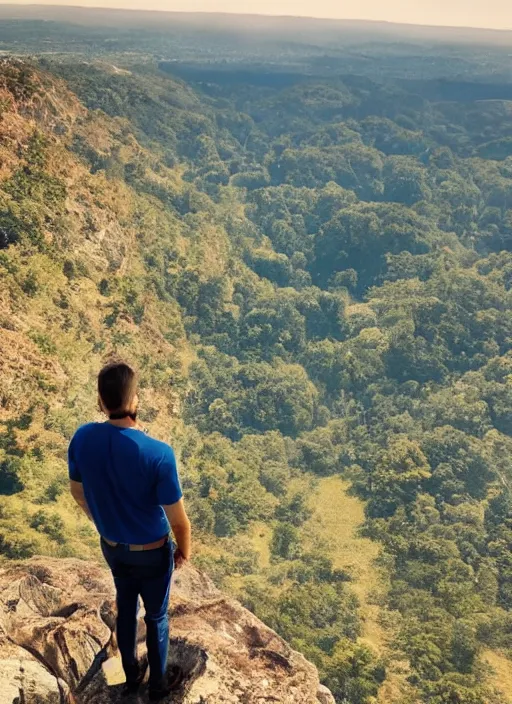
25	679
57	617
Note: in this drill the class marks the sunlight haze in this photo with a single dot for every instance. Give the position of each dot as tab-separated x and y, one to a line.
496	14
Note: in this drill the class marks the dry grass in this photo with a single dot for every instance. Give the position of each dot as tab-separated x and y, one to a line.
501	678
261	535
336	520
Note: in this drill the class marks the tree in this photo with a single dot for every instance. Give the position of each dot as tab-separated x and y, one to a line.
459	463
401	471
405	181
353	674
285	541
10	480
360	236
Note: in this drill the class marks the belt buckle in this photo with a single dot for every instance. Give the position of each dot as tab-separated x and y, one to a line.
137	548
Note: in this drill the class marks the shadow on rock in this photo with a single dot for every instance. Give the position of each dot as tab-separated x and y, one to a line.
187	664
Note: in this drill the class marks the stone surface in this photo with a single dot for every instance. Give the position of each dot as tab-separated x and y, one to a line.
57	644
25	679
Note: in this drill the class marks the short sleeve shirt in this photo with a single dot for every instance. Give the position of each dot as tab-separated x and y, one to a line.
127	477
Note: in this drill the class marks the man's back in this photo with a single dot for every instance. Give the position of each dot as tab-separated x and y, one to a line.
127	477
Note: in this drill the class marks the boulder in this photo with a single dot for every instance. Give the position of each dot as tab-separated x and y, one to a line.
57	619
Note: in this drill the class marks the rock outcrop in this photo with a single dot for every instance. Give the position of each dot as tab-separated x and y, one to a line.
57	642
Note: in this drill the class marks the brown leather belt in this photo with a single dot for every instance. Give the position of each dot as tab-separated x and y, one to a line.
139	548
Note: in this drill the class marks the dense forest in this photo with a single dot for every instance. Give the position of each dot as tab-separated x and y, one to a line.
312	270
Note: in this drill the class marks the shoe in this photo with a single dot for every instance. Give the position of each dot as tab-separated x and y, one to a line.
133	687
174	678
156	695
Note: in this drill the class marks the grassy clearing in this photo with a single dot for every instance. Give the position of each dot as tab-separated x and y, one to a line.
501	677
336	520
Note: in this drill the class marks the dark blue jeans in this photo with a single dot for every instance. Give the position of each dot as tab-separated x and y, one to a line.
146	574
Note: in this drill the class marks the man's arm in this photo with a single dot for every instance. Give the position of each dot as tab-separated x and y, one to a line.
77	492
181	528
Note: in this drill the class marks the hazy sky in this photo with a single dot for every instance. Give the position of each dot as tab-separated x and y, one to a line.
469	13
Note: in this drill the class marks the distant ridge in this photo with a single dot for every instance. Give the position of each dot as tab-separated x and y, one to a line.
252	22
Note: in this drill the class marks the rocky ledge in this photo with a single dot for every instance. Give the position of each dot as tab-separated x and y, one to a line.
57	642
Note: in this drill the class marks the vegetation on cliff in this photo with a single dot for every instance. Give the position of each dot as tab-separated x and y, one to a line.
314	279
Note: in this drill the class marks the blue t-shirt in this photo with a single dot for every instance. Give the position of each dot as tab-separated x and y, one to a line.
127	477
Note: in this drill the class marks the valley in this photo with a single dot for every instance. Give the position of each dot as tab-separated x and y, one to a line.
304	245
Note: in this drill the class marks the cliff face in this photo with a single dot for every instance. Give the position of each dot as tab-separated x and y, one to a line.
57	642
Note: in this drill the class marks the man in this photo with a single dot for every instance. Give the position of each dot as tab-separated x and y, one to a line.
127	483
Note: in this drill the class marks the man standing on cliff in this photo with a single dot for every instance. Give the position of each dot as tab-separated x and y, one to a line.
127	483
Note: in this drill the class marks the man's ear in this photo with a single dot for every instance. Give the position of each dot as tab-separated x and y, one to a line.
135	403
101	406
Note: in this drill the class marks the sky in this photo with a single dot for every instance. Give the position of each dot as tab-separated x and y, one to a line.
495	14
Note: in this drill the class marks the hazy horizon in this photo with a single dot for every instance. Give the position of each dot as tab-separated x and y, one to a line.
494	14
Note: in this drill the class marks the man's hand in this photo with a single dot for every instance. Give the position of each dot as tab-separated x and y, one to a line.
179	559
180	525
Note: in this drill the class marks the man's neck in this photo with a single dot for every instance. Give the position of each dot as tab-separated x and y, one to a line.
123	422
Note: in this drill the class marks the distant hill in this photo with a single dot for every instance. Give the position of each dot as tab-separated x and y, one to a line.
295	28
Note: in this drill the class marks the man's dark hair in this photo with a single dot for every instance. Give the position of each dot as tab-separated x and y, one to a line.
117	384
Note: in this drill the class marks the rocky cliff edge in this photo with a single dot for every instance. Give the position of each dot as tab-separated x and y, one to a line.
57	642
